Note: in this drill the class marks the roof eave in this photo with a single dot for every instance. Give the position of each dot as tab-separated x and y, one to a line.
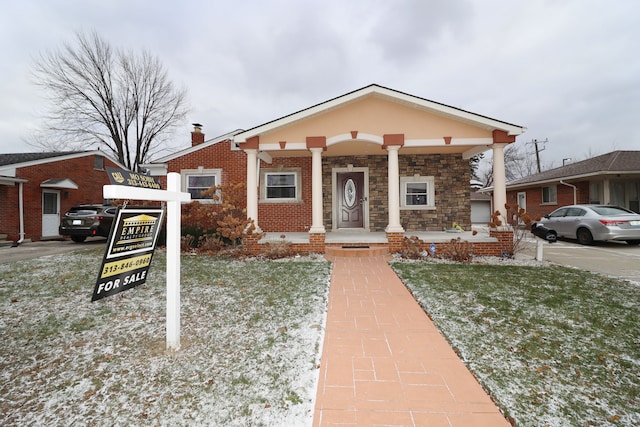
436	107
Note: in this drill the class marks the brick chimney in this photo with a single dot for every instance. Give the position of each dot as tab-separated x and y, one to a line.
197	137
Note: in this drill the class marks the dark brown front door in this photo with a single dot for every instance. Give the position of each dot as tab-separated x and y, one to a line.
350	189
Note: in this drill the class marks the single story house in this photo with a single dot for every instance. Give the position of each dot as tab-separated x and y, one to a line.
610	179
374	160
37	188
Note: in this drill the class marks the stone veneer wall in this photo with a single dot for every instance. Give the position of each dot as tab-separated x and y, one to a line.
452	191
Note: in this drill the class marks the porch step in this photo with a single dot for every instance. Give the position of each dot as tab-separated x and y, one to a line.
355	251
4	241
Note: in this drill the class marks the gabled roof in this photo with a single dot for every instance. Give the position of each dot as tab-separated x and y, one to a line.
207	143
390	94
17	160
615	162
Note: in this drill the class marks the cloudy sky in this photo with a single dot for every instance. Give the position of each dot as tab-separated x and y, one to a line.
567	70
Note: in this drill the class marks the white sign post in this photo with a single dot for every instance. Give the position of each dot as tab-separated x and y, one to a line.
173	196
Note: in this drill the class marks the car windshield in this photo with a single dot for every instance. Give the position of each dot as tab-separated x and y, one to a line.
82	211
610	210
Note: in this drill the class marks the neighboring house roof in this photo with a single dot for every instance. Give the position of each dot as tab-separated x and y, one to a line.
11	161
480	197
615	162
397	96
16	158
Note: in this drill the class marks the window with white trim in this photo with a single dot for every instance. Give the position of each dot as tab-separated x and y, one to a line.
280	185
549	195
197	181
417	192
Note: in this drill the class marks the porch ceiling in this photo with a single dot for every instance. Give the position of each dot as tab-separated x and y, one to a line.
366	148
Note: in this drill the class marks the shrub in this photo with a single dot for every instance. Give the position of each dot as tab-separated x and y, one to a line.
277	249
457	250
209	227
413	248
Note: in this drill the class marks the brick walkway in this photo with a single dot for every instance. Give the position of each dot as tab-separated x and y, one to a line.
383	361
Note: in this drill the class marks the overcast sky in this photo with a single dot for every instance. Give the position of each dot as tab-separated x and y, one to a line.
568	71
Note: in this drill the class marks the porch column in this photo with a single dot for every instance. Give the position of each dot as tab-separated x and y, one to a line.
499	181
317	225
394	190
252	186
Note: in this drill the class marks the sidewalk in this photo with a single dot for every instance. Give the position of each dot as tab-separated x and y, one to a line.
383	361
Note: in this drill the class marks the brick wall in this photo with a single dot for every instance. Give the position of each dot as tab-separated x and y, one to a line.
80	170
295	216
536	209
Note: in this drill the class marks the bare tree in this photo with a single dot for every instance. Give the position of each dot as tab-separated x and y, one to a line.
518	163
109	99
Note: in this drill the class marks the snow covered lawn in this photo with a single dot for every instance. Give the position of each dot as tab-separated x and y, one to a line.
251	338
553	346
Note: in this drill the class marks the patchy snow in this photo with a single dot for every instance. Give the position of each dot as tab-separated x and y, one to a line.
251	336
553	346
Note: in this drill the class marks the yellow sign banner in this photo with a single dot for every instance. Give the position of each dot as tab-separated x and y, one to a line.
125	265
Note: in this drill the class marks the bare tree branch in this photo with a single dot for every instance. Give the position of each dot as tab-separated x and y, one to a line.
518	163
112	99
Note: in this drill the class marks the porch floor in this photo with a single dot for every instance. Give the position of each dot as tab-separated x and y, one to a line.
380	237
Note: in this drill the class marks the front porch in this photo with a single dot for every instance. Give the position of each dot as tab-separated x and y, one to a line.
484	241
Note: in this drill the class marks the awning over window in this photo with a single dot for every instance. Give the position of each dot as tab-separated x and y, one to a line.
60	183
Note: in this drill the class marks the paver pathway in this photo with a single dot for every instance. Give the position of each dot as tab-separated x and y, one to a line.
383	361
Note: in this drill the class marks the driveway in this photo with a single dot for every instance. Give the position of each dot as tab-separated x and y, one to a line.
608	258
49	247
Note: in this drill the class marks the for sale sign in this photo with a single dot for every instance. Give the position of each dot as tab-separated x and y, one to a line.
130	248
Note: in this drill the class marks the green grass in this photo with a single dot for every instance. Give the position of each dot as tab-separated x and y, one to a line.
249	331
553	346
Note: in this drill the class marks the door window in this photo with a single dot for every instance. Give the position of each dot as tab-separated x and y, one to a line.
49	203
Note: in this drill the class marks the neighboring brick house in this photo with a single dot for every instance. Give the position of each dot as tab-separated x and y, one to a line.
372	160
37	188
610	179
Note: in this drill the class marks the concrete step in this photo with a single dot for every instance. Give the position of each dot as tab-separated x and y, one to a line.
356	251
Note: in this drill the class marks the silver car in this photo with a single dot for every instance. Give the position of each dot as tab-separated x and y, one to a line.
588	223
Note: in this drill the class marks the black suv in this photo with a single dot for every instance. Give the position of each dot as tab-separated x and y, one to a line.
86	221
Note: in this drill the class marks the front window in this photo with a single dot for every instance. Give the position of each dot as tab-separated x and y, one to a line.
281	185
549	195
196	182
98	162
417	192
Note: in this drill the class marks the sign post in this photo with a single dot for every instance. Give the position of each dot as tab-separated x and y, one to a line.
173	196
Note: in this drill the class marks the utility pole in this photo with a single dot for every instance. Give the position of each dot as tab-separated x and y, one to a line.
535	142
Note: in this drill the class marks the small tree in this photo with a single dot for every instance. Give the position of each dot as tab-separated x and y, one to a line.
522	228
225	220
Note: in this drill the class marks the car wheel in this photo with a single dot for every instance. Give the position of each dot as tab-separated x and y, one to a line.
584	236
78	239
633	242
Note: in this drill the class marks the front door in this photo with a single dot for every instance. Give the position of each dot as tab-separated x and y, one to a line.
50	212
350	199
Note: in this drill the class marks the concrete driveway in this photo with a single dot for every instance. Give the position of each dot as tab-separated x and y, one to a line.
49	247
608	258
